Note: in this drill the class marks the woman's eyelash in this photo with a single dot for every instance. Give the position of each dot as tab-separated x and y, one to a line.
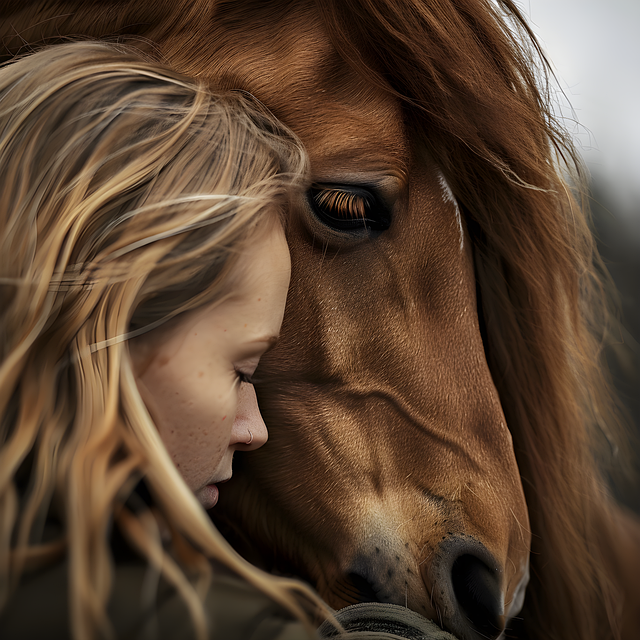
244	377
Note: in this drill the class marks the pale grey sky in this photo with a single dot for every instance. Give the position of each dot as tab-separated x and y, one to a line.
594	46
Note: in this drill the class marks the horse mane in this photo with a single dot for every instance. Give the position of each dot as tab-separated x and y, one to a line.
475	85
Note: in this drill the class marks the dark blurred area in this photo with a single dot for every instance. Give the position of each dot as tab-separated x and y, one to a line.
618	237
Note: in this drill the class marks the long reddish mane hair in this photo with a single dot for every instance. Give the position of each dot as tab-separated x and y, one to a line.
473	82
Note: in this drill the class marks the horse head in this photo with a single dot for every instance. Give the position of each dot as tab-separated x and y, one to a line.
396	478
431	353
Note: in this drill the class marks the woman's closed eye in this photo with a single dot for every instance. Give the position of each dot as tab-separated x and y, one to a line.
244	377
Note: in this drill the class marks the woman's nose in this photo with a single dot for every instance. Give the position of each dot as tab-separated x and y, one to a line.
249	429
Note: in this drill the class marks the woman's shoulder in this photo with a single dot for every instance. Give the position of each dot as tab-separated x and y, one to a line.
235	609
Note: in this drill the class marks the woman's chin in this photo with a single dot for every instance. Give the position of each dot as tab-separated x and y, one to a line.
208	496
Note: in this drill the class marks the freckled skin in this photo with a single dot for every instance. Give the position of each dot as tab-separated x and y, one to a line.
187	371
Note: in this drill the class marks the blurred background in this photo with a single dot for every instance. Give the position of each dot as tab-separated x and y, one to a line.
594	48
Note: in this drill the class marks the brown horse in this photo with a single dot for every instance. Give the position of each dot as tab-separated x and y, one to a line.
434	404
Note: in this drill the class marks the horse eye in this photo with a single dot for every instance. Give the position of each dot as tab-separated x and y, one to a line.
347	208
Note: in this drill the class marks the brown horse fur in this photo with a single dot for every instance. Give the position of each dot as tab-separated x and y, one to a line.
380	389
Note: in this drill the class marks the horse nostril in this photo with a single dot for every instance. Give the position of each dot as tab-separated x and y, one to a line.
363	587
477	591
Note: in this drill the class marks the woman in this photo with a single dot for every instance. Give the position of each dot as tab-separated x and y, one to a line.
143	272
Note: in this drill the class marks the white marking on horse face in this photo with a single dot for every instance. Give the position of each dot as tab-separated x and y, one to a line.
450	198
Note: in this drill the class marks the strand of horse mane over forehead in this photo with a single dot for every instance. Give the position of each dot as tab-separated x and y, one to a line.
474	89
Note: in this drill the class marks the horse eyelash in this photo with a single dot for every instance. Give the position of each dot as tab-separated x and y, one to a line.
345	205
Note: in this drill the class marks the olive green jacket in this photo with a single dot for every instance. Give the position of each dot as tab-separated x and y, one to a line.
39	610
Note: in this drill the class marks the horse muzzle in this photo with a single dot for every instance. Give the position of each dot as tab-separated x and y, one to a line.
459	586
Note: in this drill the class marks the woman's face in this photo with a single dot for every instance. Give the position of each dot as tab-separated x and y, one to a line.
189	373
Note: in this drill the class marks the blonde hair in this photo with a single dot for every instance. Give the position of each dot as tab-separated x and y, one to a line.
128	192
